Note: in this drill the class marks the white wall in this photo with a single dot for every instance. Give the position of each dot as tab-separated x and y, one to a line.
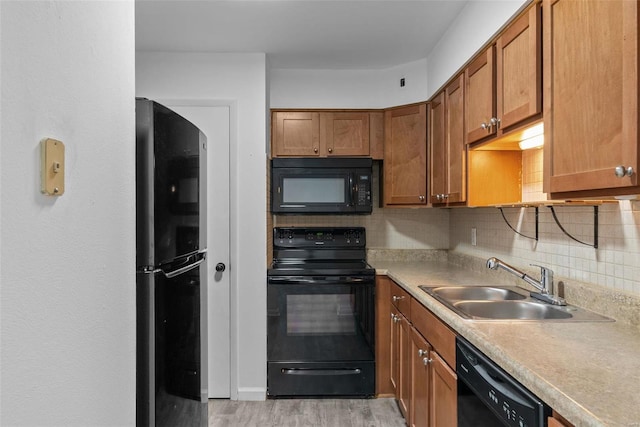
476	24
299	88
68	263
241	79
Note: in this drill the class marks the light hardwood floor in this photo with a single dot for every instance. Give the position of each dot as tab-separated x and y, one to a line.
305	412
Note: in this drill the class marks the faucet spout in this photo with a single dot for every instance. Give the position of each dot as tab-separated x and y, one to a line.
543	285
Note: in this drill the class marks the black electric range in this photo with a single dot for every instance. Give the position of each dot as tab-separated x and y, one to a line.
321	313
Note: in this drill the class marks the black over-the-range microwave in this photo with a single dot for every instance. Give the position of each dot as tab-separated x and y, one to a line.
321	185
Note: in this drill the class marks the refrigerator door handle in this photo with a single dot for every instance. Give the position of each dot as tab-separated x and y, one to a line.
192	260
186	263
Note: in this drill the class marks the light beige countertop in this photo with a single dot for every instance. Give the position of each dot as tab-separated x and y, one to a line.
589	372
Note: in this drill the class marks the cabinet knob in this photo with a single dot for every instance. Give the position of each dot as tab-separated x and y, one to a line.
426	361
315	150
396	319
422	352
622	171
495	122
397	298
421	198
484	126
439	197
330	150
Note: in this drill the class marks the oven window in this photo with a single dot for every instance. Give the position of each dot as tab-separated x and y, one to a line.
313	190
320	315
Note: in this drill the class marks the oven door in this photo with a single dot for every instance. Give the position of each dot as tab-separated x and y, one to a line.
320	336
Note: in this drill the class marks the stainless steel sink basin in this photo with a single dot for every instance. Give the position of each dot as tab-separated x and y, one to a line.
500	303
483	293
517	310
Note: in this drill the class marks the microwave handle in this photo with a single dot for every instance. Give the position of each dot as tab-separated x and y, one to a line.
352	190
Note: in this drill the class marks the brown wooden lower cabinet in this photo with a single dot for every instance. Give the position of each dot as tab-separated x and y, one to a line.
558	421
420	380
444	393
414	371
404	370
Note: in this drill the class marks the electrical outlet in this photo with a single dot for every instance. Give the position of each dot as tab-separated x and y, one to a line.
402	82
474	236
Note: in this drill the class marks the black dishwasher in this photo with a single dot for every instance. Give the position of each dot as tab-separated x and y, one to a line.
488	396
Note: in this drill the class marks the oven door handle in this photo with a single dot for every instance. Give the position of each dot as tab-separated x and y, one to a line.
292	280
321	372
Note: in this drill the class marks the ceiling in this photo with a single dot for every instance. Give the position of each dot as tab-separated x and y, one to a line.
309	34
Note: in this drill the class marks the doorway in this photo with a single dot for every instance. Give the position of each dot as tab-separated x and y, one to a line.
213	118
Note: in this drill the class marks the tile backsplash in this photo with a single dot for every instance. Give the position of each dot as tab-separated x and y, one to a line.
387	228
615	264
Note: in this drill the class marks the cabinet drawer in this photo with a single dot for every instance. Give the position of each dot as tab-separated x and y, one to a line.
437	333
401	300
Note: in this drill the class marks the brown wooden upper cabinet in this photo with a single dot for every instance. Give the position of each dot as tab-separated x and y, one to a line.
504	82
591	98
327	133
405	156
447	150
296	133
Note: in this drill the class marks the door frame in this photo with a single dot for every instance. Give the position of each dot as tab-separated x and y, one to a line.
232	104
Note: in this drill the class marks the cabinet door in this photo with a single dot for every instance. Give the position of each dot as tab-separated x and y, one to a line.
384	325
480	102
590	95
444	393
420	380
405	156
519	70
296	134
404	373
344	133
438	168
456	148
394	348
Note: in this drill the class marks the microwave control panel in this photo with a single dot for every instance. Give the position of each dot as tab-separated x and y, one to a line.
363	193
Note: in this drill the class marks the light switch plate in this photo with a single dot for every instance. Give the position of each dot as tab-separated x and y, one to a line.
52	167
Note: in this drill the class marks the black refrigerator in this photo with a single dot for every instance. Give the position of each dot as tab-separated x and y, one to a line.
171	282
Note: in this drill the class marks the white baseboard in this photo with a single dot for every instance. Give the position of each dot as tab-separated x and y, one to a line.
252	393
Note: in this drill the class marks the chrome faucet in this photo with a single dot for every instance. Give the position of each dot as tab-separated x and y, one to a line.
545	285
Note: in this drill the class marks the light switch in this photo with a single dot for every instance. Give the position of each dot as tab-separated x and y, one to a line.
52	167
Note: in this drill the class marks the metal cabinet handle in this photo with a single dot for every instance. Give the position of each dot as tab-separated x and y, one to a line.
330	150
422	352
485	126
622	171
495	122
397	298
426	361
421	198
396	318
315	149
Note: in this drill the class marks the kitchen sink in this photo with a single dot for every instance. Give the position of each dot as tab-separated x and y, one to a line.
484	293
517	310
506	303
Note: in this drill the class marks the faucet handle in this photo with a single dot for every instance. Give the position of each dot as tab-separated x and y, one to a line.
546	277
